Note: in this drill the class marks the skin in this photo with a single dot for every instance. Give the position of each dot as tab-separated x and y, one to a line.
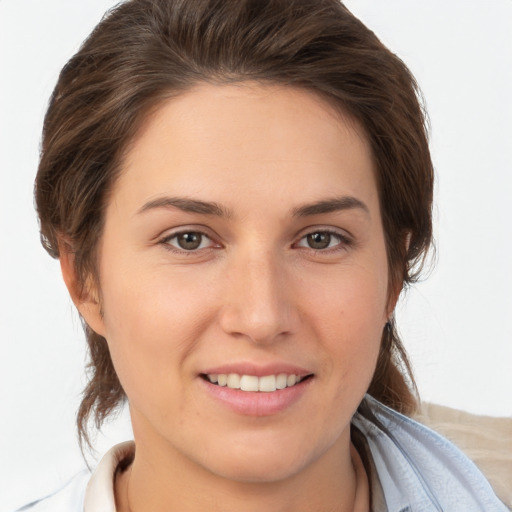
254	291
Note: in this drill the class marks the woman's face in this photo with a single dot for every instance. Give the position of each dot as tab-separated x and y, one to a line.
243	242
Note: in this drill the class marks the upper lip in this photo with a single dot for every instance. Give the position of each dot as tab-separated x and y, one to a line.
258	370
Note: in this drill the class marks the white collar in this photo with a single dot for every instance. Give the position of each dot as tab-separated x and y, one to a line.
99	495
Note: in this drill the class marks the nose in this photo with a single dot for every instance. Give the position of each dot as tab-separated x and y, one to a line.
257	302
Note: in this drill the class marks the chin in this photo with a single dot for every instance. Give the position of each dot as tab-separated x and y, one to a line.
264	460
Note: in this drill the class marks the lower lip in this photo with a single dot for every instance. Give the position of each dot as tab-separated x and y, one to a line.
257	403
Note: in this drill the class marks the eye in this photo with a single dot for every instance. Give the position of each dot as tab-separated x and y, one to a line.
320	240
188	241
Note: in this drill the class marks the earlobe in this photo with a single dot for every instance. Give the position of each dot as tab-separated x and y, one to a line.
83	295
392	300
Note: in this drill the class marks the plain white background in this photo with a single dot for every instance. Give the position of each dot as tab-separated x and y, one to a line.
456	325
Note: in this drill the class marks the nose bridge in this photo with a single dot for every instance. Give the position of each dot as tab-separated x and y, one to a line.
257	304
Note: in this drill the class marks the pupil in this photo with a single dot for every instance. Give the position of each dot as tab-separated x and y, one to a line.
189	241
319	240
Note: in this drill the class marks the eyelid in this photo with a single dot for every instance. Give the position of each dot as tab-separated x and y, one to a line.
346	240
186	228
201	230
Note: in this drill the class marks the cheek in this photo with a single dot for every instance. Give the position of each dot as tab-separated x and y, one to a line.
151	323
349	312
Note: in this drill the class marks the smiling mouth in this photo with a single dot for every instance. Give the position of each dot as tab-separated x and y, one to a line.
252	383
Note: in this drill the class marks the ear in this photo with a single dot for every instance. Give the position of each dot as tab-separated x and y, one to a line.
393	296
83	295
396	290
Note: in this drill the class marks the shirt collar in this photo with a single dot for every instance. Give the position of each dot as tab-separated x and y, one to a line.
99	495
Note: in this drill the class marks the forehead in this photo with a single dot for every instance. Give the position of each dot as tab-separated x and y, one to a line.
226	139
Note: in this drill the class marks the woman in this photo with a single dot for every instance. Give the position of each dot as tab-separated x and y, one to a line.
237	192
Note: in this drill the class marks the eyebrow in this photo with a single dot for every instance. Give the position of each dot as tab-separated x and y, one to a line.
187	205
329	206
217	210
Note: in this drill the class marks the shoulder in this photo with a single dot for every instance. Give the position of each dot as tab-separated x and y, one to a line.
418	468
69	498
88	492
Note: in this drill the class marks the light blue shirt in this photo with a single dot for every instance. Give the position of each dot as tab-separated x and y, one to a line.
419	470
416	470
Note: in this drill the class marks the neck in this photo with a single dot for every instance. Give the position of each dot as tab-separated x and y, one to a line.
336	481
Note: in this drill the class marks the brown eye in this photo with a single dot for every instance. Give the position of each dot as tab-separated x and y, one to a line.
319	240
189	241
323	240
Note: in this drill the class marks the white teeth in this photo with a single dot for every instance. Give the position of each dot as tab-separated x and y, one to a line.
266	384
233	381
249	383
281	380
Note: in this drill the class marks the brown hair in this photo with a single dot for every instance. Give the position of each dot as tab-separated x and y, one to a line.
145	51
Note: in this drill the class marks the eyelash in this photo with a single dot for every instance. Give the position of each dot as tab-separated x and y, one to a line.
166	242
344	242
